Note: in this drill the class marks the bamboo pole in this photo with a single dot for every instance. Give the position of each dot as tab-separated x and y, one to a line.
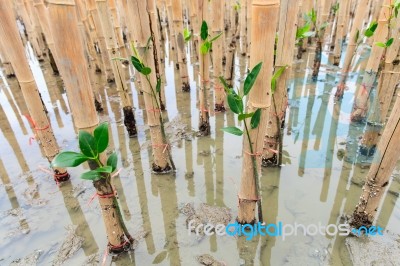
116	65
360	14
96	24
360	106
204	120
217	27
36	26
248	25
341	18
376	8
322	17
63	24
195	28
158	51
242	26
117	27
42	20
177	21
8	69
264	24
378	177
231	48
387	83
37	114
33	39
162	160
272	154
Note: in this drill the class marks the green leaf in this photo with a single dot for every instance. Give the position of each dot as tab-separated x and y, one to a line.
101	137
381	44
215	37
137	64
235	104
255	120
371	29
112	161
146	71
158	85
244	116
275	77
233	130
205	47
357	36
187	35
251	78
68	159
389	42
91	175
87	144
301	31
204	30
105	169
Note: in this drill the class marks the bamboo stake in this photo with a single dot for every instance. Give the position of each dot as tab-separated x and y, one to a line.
114	52
42	19
28	27
248	24
195	28
264	23
378	177
231	48
351	46
376	8
65	34
360	106
162	160
242	25
343	12
96	20
36	25
8	69
272	154
322	17
37	114
117	27
387	83
204	120
177	21
217	27
158	55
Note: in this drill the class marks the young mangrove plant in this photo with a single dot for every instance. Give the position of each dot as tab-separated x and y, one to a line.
92	147
154	91
205	46
301	34
236	104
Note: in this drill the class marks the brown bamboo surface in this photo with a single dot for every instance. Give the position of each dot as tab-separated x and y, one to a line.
264	22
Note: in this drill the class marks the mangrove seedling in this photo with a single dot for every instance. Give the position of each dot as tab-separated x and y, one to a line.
236	104
91	149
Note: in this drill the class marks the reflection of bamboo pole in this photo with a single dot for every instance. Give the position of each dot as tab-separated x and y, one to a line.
381	169
284	58
29	88
351	46
113	51
161	150
64	27
12	197
264	23
360	106
217	27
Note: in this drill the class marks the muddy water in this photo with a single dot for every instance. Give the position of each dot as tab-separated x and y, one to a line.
319	181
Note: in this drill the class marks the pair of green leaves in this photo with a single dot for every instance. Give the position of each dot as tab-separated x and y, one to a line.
235	101
369	32
386	44
145	70
311	17
304	32
207	43
91	146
